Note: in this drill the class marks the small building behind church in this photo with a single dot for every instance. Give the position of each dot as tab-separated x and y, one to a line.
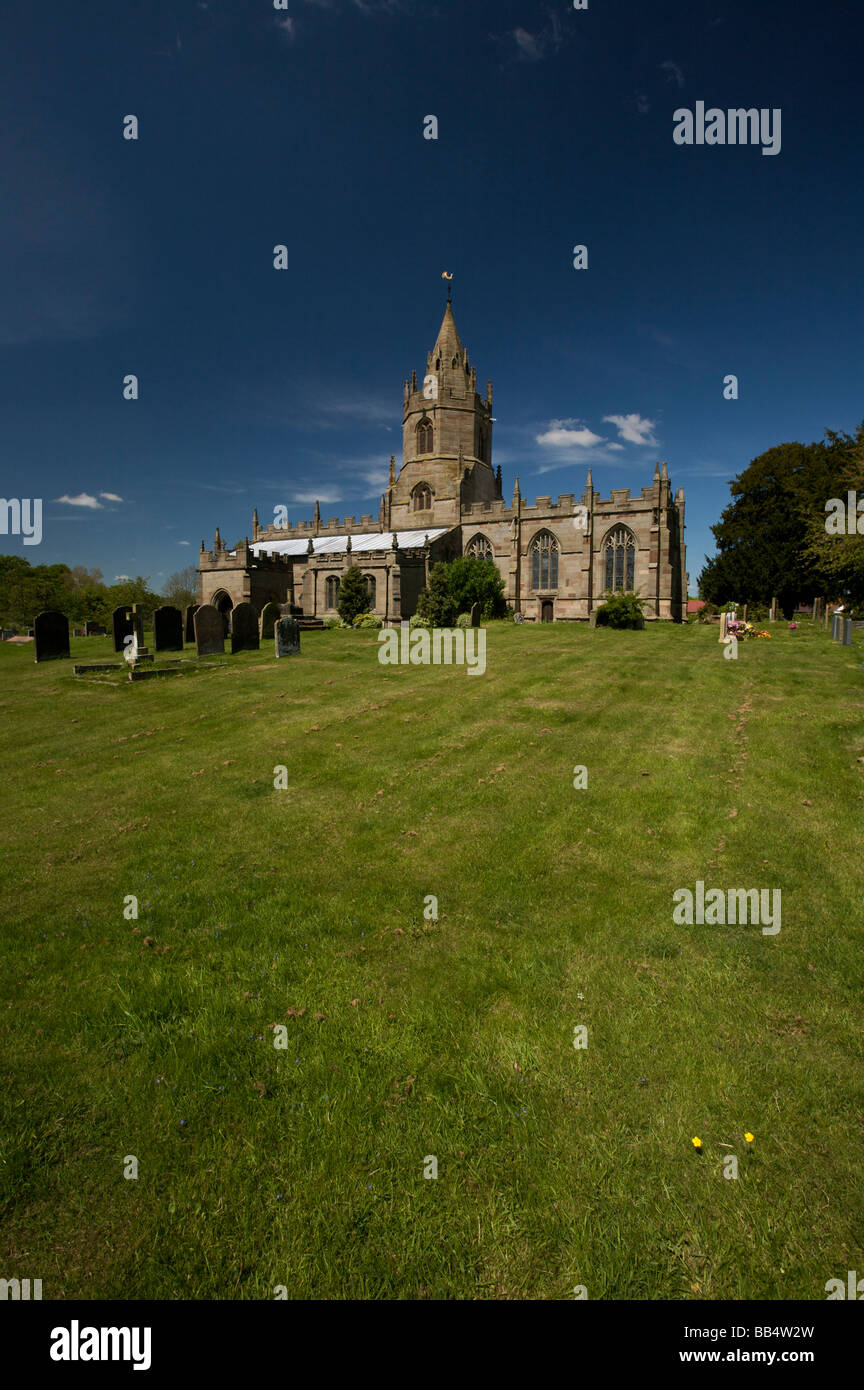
557	558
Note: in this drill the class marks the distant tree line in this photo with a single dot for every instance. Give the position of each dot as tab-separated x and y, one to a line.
81	593
772	540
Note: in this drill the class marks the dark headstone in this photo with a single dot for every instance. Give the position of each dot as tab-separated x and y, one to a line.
244	628
51	631
286	636
270	615
77	632
124	622
475	615
189	621
209	631
168	629
94	630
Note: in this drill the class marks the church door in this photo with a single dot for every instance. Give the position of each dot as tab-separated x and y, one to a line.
546	611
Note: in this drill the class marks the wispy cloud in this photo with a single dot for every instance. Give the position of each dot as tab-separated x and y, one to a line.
110	496
634	428
184	542
83	499
326	494
120	579
673	72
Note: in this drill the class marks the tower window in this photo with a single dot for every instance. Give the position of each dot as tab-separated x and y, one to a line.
619	557
422	498
544	561
424	437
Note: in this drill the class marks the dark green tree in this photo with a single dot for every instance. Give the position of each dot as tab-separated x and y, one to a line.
436	603
353	595
762	536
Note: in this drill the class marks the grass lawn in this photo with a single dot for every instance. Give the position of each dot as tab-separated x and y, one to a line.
410	1037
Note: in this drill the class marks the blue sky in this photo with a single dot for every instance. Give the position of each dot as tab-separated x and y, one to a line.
304	127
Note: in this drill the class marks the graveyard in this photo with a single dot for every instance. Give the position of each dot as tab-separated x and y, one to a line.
393	871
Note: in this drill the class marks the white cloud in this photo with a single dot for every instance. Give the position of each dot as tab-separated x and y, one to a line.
615	446
633	428
561	435
110	496
673	72
82	500
310	498
120	579
183	542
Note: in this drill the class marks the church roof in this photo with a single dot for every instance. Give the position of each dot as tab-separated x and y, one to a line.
335	545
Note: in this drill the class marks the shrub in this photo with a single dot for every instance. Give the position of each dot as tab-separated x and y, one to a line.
367	620
419	621
333	622
436	603
621	610
353	598
454	587
464	620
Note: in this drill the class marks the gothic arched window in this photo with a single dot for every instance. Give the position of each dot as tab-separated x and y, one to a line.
332	591
619	558
480	547
422	498
544	561
424	437
370	588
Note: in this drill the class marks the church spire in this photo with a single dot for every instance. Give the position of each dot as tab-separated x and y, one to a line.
448	344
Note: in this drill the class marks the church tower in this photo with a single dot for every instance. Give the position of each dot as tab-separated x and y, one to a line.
446	438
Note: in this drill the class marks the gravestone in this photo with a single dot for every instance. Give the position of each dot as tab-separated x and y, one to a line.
94	630
168	629
51	633
126	622
244	628
286	637
847	632
772	617
270	615
189	621
723	619
209	631
520	618
475	615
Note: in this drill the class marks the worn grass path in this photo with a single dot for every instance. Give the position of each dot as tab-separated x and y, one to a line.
409	1037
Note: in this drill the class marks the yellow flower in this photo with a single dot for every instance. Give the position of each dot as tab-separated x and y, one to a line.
697	1143
749	1137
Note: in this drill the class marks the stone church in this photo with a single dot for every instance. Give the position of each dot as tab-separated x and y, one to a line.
556	558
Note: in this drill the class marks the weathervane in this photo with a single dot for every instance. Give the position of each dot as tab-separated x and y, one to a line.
446	275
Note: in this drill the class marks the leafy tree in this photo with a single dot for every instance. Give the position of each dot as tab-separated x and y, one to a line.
839	558
353	595
454	587
181	588
436	604
763	536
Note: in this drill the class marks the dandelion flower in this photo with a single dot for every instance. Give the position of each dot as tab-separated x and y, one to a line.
749	1137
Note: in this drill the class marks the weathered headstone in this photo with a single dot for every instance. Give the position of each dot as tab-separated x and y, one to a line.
475	615
244	628
94	630
189	621
847	632
270	615
773	614
286	637
168	629
209	631
722	637
51	633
